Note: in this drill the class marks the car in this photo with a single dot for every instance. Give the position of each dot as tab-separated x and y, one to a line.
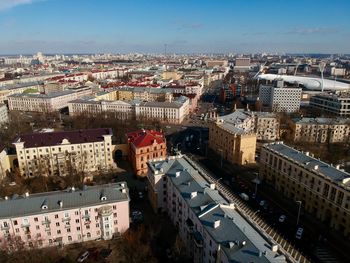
282	218
140	195
262	203
299	233
83	256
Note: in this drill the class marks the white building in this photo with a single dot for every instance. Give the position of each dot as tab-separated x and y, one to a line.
46	102
280	98
66	152
3	114
210	227
64	217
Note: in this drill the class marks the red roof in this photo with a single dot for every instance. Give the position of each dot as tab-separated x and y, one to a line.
144	138
55	138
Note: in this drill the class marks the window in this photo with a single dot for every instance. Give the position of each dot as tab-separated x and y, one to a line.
58	232
69	238
35	219
88	235
78	228
77	221
56	216
57	224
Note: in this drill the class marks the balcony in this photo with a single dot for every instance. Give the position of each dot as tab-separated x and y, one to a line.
5	227
46	222
65	219
25	224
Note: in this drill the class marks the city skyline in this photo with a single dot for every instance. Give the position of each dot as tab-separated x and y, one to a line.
61	26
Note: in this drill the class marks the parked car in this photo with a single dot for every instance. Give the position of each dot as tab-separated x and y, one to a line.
244	196
262	203
282	218
83	256
140	195
299	233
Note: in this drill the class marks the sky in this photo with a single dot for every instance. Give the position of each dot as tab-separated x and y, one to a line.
185	26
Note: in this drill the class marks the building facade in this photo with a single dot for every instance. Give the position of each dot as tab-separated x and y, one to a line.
280	98
145	145
320	130
210	227
64	217
63	153
3	114
332	103
232	143
322	188
45	102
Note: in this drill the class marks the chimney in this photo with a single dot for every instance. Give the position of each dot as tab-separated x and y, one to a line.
27	194
60	204
212	186
216	223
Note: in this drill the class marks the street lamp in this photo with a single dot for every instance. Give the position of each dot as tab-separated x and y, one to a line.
256	181
299	202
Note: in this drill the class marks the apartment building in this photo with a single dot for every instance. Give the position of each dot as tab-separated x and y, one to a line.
322	188
122	109
320	130
170	112
7	90
280	98
145	145
64	217
46	102
335	104
3	114
210	227
65	152
234	144
264	124
4	162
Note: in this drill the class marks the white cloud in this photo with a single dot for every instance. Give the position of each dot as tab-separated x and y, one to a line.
8	4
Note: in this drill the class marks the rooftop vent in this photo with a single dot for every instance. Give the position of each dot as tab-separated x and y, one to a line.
60	203
212	186
216	223
316	167
124	191
73	189
26	194
44	207
177	174
231	244
193	194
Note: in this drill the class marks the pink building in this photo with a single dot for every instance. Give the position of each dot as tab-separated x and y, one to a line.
64	217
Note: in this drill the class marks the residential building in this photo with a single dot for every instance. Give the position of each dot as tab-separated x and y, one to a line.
18	88
64	217
232	143
45	102
170	112
335	104
143	146
210	227
280	98
3	114
322	189
65	152
320	130
264	124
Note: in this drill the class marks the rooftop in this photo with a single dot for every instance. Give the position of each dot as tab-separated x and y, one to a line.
310	163
68	199
56	138
144	138
238	239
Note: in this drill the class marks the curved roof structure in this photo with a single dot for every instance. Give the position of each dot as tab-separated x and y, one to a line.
309	83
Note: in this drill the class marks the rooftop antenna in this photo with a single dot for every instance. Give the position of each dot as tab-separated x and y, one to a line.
322	66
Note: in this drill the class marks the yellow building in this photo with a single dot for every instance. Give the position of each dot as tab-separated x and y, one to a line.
125	94
322	189
171	75
233	144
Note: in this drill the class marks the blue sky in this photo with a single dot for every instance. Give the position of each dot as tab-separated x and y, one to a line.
186	26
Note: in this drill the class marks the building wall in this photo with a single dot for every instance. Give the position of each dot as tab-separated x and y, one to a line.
140	156
332	104
235	148
4	164
3	114
326	200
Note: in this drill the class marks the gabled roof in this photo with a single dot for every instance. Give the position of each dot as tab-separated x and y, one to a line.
55	138
144	138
